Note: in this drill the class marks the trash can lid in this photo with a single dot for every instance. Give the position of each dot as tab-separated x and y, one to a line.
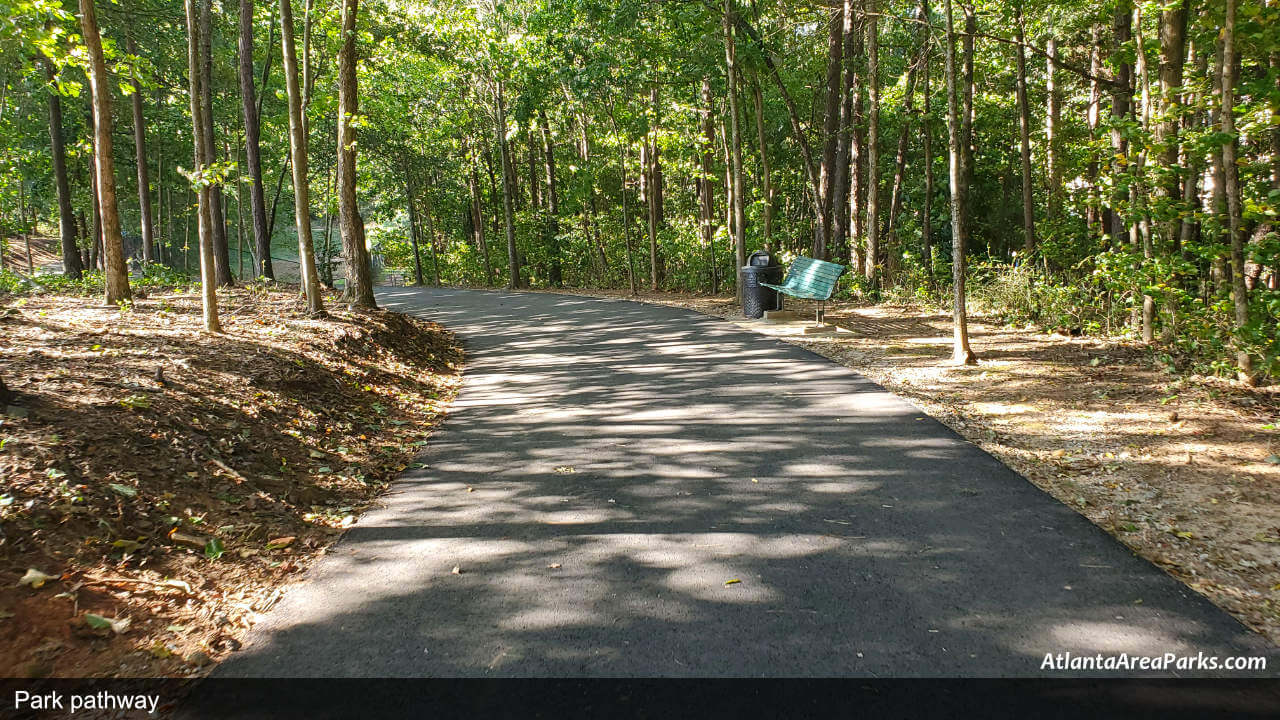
761	258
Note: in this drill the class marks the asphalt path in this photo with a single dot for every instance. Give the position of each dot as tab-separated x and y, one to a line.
628	490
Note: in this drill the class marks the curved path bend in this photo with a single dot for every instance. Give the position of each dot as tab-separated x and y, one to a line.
634	490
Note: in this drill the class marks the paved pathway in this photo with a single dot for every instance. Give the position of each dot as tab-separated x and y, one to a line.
633	490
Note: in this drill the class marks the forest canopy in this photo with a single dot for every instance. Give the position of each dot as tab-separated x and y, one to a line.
1088	167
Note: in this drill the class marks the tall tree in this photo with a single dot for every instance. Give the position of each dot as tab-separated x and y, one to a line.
71	265
871	266
217	204
1024	131
830	130
959	178
253	144
359	269
735	143
208	275
508	214
115	270
298	152
555	274
140	159
1231	186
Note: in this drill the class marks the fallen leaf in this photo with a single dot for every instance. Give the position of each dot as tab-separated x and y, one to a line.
124	490
127	546
564	469
35	578
280	543
457	570
98	622
553	566
734	581
179	584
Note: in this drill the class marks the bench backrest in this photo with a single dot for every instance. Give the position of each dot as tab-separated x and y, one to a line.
815	278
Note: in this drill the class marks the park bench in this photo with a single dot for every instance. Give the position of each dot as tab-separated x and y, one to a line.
395	278
810	279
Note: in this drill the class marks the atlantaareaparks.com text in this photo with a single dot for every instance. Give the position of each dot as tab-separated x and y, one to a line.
1167	661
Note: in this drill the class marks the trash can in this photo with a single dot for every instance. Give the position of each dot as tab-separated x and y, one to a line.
756	298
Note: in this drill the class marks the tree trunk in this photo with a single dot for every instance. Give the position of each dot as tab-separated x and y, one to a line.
71	265
217	206
428	214
1173	45
555	275
653	197
252	143
871	266
413	220
116	271
1093	212
1231	185
359	290
707	184
839	210
926	211
766	179
1121	106
208	279
838	23
508	215
239	215
961	353
1052	120
298	154
477	218
735	145
140	158
1024	133
908	107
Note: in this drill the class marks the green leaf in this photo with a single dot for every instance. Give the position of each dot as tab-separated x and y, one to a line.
214	549
97	622
124	490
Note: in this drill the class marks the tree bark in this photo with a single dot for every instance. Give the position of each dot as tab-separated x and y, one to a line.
208	278
1231	186
653	197
298	153
413	220
735	145
1024	135
839	210
1052	121
707	184
926	211
252	143
838	22
508	215
766	175
477	218
555	274
116	271
961	353
140	158
871	266
359	288
1121	107
217	206
1173	46
71	265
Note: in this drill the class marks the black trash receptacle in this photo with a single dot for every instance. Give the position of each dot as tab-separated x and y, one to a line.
756	298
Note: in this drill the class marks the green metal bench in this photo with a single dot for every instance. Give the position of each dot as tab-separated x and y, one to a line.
810	279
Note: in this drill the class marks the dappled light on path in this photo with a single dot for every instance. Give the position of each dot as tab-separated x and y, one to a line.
631	490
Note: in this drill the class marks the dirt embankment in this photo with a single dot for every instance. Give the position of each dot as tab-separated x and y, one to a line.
162	484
